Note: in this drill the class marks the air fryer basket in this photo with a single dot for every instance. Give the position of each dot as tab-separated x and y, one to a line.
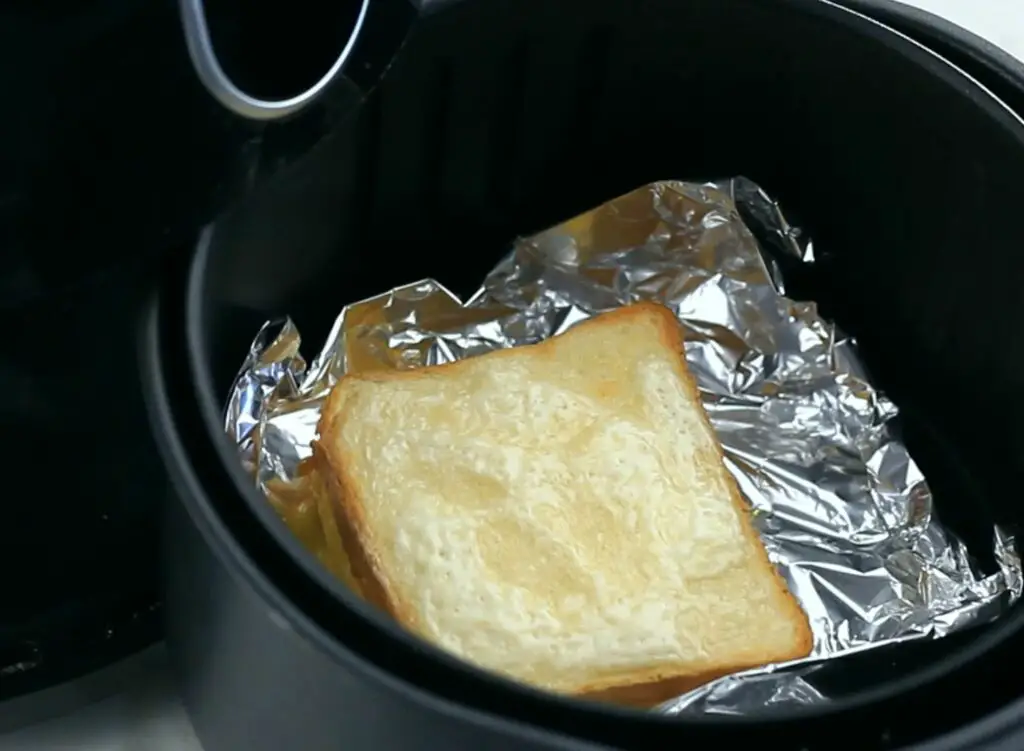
503	117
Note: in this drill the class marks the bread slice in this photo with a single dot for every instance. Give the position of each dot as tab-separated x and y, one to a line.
305	505
559	514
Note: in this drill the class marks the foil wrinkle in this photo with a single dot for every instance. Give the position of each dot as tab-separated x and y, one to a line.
844	511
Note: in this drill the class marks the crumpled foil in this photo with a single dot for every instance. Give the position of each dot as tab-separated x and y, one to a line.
842	508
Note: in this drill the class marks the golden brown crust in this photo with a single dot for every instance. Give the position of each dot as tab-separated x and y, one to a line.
351	527
306	507
639	689
637	310
673	333
650	692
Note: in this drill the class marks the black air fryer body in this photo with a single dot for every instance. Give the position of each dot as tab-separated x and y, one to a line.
111	144
115	150
503	117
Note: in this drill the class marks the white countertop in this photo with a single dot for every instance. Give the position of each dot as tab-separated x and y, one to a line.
999	21
148	716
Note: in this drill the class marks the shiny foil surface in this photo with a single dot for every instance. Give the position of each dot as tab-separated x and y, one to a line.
842	508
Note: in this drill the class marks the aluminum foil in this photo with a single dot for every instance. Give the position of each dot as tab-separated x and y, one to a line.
842	508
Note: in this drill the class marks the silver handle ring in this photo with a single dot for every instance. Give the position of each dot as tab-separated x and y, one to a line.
216	81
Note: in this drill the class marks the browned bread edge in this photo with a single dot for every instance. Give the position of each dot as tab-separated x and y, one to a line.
639	689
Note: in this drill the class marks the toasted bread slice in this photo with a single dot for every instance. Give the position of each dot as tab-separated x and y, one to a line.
559	514
306	506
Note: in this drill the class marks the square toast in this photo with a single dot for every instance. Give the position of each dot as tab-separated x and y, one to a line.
559	514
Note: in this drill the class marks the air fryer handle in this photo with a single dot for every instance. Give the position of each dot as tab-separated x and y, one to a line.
376	37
